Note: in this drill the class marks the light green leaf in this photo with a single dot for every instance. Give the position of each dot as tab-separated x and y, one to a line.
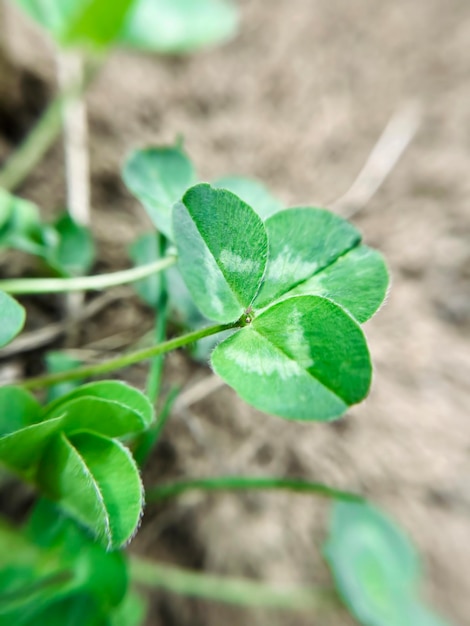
74	252
12	318
374	564
53	15
145	250
22	450
19	219
131	612
302	241
158	177
179	26
18	409
303	358
98	23
90	22
108	407
222	251
357	281
96	481
253	193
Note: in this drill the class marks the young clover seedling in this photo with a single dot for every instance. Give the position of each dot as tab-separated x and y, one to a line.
296	287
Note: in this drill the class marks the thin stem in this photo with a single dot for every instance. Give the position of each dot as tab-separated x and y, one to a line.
238	483
70	71
82	283
238	591
42	136
154	378
123	361
150	437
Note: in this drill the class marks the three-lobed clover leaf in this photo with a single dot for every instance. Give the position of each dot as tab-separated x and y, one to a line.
298	284
71	450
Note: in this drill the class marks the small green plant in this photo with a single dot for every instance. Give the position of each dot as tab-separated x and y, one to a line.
274	297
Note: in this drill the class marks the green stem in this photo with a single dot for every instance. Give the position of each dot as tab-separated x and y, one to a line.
42	136
123	361
238	591
83	283
238	483
33	148
150	437
154	378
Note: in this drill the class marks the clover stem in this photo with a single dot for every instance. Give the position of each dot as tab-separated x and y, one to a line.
79	283
111	365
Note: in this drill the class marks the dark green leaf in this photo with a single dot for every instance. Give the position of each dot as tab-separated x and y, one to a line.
101	573
304	358
222	248
12	317
179	26
158	177
18	409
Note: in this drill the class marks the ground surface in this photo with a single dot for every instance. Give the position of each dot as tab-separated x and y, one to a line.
298	100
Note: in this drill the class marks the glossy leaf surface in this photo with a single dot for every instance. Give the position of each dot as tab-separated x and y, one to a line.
159	177
222	251
304	358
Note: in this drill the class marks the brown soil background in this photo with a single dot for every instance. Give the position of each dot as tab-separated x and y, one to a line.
298	99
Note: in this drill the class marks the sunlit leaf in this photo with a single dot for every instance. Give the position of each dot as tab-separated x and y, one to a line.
159	177
222	251
179	26
304	358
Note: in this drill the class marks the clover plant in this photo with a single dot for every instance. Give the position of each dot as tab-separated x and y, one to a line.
278	296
